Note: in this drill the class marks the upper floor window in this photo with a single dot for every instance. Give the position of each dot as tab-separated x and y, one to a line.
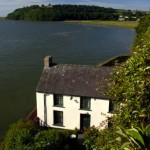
58	100
85	103
111	106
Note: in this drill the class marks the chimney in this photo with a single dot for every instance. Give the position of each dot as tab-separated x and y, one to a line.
48	61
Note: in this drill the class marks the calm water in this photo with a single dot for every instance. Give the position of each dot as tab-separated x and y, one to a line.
23	46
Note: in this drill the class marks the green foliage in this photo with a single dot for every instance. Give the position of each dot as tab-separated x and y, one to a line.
26	136
101	140
1	145
135	138
52	139
108	140
90	137
130	87
63	12
141	29
130	92
19	136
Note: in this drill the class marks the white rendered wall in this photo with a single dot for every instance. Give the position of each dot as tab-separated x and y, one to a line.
100	110
40	105
71	111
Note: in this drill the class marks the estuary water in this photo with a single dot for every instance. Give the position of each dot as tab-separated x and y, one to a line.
23	46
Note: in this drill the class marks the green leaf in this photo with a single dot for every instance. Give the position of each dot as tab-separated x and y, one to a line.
141	130
148	129
133	141
127	148
134	133
121	132
118	139
125	145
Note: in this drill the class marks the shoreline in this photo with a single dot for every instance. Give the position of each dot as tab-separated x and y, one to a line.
120	24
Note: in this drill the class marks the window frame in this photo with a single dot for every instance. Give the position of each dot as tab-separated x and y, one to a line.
85	103
85	120
58	100
58	118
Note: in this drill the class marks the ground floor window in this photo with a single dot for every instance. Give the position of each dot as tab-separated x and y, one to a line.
58	118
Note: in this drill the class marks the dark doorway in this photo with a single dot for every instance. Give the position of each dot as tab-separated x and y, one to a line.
84	121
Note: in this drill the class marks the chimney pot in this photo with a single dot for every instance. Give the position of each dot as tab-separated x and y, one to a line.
48	61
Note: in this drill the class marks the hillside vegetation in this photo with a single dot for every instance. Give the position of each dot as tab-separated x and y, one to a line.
63	12
71	12
130	92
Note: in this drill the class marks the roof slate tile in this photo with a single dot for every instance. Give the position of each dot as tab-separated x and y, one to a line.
74	80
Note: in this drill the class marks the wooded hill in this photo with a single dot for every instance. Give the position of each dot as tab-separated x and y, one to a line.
63	12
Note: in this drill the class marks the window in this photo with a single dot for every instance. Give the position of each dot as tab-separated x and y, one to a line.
58	118
85	103
58	100
111	106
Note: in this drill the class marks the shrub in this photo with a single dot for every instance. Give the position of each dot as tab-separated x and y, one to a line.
52	139
19	136
26	136
90	137
141	29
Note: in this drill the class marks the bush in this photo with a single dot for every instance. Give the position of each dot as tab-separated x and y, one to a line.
26	136
19	136
2	145
141	29
53	140
90	137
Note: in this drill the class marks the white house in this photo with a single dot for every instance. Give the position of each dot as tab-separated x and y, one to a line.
121	18
67	95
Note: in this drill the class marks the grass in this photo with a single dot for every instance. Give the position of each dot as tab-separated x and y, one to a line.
121	24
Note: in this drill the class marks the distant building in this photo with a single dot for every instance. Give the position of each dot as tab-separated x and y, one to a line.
121	18
67	95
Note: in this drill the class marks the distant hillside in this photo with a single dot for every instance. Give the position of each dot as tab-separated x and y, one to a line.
73	12
63	12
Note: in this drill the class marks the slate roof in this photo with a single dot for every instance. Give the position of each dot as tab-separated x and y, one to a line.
74	80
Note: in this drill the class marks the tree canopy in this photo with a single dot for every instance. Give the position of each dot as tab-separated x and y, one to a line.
63	12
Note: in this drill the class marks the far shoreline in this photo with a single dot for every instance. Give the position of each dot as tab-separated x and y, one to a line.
120	24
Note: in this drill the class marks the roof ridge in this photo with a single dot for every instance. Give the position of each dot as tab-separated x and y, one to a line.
79	65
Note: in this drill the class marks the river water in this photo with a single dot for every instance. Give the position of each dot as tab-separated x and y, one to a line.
23	46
